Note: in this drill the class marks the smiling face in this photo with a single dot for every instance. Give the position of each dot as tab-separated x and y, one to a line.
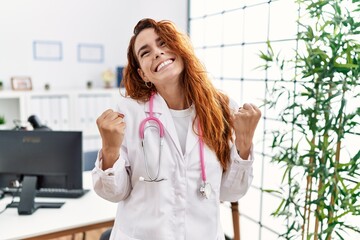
158	64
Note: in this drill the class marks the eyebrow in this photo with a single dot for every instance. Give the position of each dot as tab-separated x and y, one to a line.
142	48
146	45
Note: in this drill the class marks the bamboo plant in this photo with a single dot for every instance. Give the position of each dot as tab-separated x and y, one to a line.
321	180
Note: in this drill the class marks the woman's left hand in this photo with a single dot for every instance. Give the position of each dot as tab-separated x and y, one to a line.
245	122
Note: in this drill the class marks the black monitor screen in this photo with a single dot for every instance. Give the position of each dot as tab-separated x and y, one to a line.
55	157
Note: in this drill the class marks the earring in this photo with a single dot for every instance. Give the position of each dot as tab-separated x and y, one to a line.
150	85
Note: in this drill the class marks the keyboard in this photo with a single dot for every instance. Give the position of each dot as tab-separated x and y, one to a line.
51	192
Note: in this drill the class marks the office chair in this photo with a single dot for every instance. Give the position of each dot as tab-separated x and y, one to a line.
89	160
236	222
105	235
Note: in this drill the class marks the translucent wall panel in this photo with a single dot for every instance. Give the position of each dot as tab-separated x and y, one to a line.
213	6
232	62
258	172
269	234
249	229
281	19
213	30
285	51
197	8
252	61
254	92
212	63
272	175
198	27
228	37
256	23
249	204
270	203
233	27
233	89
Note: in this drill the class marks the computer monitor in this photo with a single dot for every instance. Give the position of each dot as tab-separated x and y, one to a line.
40	159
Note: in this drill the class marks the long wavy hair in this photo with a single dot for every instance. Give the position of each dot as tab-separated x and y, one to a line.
212	106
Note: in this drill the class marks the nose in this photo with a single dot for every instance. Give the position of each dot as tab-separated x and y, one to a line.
158	53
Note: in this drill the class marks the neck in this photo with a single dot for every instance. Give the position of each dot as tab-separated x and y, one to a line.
174	98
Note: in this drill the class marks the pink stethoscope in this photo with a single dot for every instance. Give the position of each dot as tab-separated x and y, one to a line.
205	188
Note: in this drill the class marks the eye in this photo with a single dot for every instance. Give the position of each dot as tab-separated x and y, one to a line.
162	43
144	53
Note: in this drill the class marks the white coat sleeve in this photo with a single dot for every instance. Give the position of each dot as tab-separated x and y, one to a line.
114	183
237	179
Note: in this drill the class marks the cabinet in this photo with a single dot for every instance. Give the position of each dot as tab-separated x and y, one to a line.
74	110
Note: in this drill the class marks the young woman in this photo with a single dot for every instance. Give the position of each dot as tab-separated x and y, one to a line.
175	147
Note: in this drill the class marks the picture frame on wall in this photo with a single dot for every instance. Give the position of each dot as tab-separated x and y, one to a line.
21	83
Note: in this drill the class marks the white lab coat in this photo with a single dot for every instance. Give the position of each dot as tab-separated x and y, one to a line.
172	209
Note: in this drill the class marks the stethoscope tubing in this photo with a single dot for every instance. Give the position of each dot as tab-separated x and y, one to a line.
156	178
161	130
142	129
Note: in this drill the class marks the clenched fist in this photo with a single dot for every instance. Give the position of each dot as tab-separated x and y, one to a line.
245	122
112	129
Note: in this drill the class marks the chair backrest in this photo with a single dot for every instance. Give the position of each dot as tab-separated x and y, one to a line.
89	160
236	220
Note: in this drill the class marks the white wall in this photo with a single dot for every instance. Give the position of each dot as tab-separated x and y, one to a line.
70	22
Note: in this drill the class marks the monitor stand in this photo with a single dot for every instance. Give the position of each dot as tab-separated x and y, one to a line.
27	204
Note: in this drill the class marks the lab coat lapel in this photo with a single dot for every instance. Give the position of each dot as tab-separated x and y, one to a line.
162	112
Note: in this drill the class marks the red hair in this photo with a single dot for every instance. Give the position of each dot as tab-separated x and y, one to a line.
212	106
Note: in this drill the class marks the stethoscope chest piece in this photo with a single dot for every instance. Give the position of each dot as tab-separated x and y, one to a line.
205	190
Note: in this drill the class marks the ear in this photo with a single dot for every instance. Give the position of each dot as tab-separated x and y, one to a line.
142	75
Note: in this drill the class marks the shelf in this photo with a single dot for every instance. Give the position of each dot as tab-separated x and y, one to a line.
60	109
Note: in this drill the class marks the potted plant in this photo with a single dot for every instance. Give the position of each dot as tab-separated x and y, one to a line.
2	122
321	179
108	78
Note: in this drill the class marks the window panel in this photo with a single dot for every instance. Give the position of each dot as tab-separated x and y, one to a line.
197	8
213	6
200	53
258	139
286	52
349	148
232	62
253	2
233	89
233	27
270	204
231	4
256	23
198	32
217	83
212	60
283	23
249	229
228	39
274	88
213	30
258	171
273	175
254	92
249	204
252	61
270	235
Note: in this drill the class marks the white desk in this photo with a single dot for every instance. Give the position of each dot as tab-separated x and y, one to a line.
76	215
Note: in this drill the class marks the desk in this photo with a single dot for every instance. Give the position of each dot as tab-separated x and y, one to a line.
76	215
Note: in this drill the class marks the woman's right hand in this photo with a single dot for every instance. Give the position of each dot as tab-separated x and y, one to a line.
112	129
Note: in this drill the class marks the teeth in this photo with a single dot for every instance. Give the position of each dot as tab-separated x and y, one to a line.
163	64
